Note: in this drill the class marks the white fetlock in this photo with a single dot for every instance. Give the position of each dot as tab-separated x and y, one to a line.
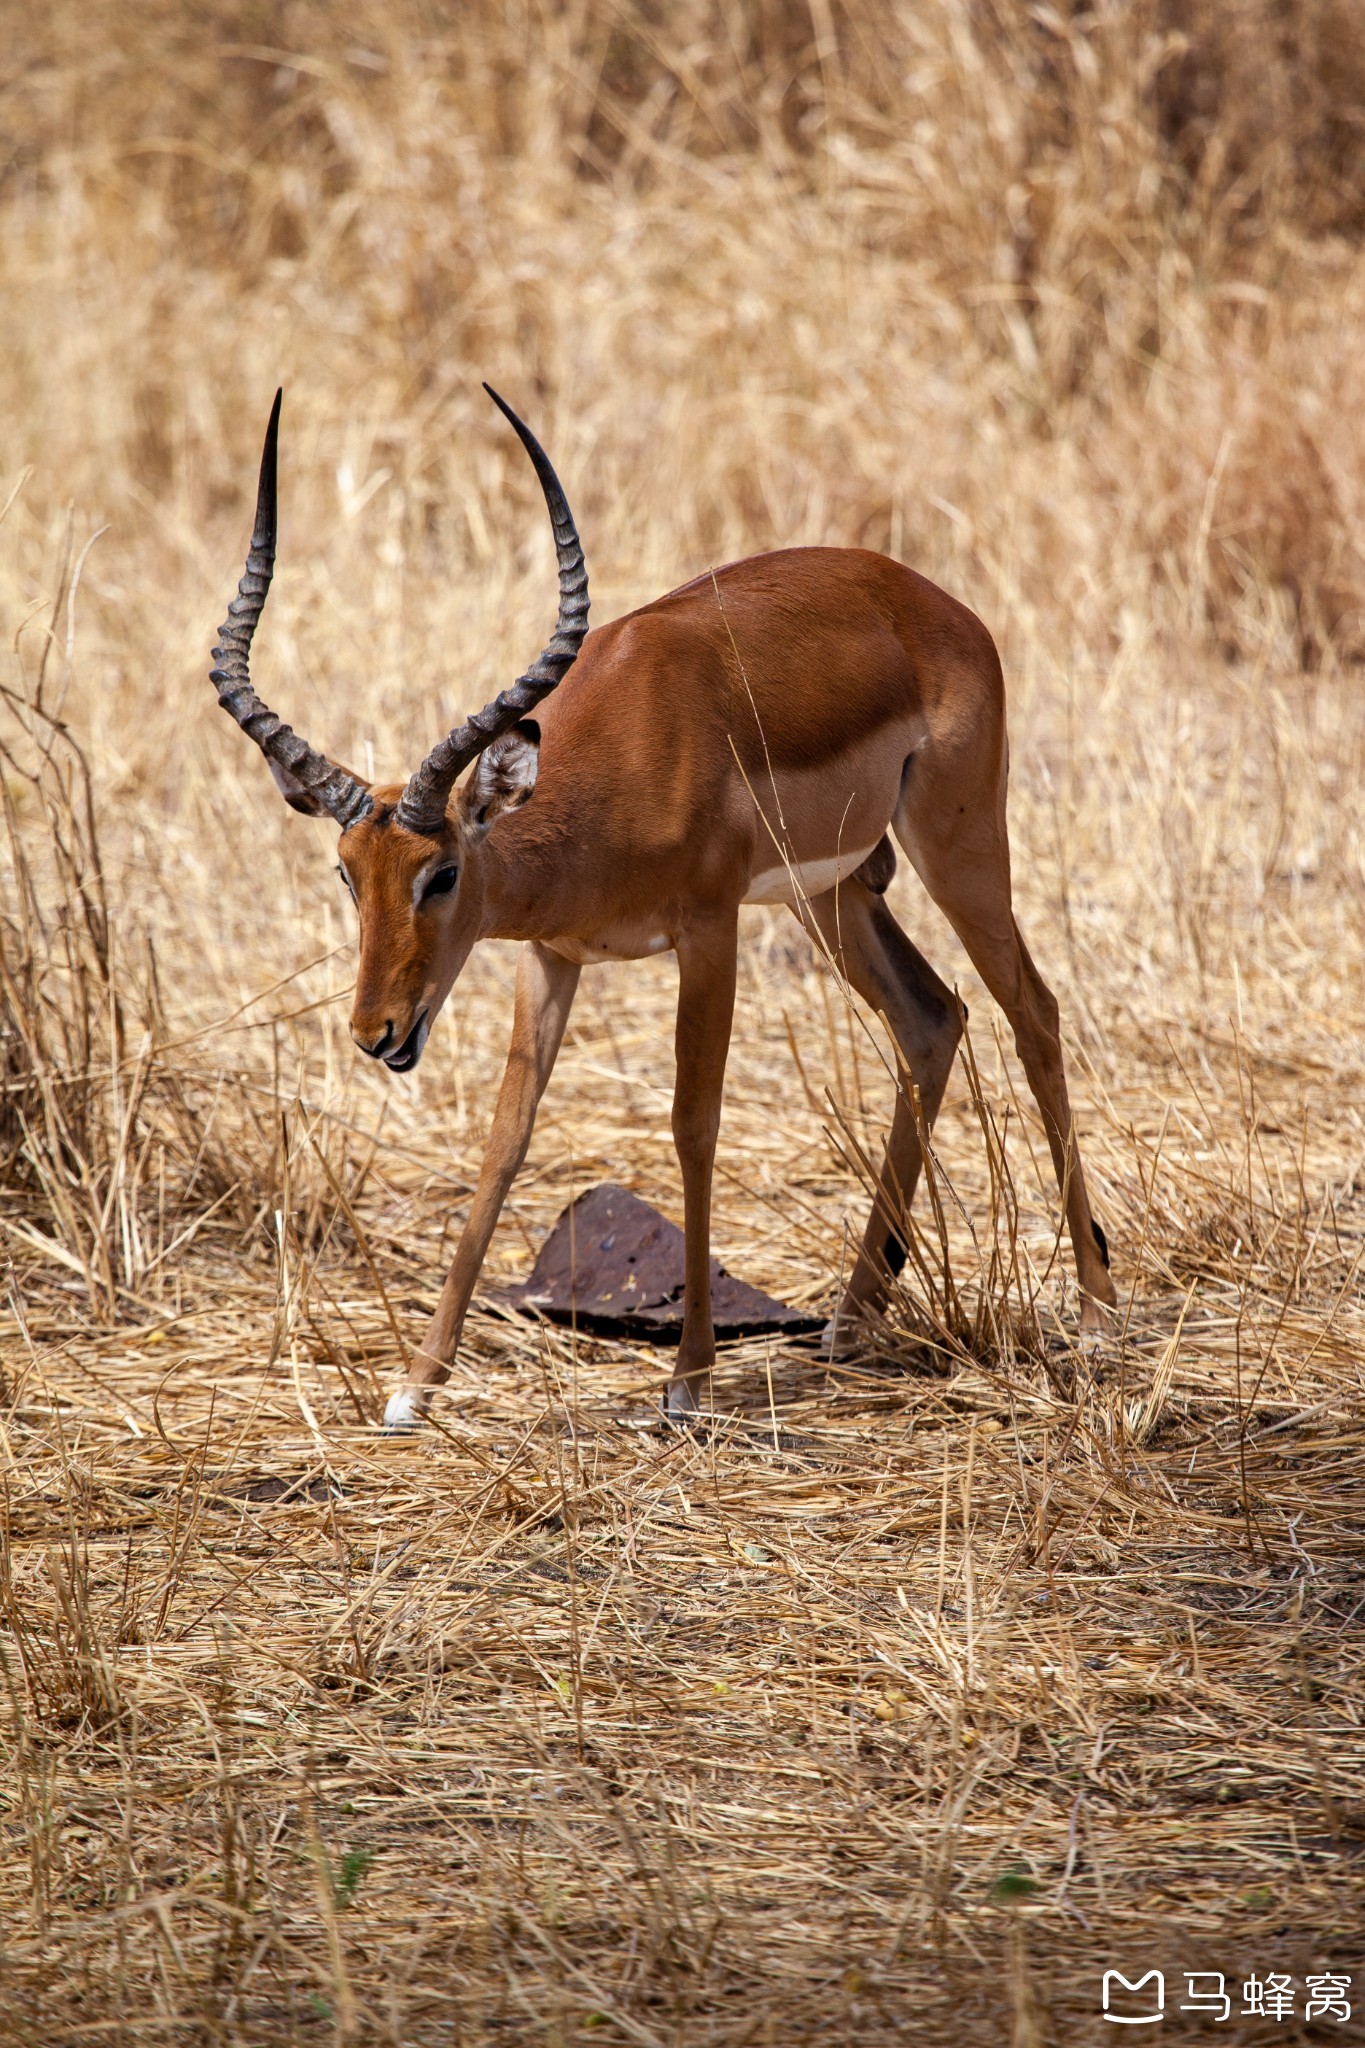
405	1412
1099	1327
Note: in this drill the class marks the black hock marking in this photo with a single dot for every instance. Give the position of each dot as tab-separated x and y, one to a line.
1102	1241
894	1253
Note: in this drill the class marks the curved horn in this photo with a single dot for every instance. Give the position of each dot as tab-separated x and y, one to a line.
337	792
422	807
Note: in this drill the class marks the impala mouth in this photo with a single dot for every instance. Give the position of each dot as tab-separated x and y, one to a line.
410	1051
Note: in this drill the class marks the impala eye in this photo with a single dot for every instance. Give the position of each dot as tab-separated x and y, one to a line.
350	885
441	883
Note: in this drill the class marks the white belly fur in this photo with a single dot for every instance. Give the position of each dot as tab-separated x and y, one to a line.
810	878
594	952
798	882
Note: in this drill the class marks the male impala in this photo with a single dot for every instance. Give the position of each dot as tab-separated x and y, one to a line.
746	739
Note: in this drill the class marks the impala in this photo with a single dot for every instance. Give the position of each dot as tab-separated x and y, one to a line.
750	738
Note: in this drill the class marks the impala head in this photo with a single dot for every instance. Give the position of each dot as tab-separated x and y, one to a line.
410	853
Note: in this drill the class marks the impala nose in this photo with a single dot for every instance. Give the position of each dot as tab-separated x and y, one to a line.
380	1046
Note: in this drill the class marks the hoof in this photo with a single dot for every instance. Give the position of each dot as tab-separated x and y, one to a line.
405	1412
679	1404
839	1339
1092	1342
1099	1324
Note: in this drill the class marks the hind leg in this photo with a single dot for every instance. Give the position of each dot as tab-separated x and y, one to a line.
878	961
960	851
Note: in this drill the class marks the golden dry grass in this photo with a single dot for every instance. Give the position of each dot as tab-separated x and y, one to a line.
918	1693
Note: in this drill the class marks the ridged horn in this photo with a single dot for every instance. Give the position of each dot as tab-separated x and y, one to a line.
422	807
339	794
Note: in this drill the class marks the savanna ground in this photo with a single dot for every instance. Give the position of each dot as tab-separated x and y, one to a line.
916	1693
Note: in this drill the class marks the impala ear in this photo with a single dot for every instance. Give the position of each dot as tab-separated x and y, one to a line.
296	794
504	777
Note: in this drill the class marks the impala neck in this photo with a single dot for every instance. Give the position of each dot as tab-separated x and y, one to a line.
525	876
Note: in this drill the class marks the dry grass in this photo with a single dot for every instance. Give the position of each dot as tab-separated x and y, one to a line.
921	1692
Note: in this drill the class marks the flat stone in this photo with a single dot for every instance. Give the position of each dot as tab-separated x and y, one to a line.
614	1266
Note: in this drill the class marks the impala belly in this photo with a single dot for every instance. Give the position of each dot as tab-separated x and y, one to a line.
817	830
592	951
795	882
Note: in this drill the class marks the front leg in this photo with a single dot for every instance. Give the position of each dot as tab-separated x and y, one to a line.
545	992
706	1002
